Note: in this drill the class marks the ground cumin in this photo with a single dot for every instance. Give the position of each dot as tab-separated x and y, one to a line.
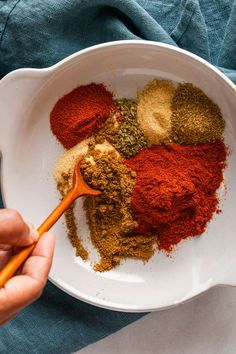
63	186
109	215
196	119
72	234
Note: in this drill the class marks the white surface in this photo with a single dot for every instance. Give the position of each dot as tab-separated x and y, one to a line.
204	326
30	151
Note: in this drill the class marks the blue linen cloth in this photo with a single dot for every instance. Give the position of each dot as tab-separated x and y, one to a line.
35	33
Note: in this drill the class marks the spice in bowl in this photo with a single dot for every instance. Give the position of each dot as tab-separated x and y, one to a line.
174	196
110	215
130	137
79	114
159	160
195	118
154	110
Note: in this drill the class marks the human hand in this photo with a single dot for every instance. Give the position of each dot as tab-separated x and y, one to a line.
28	285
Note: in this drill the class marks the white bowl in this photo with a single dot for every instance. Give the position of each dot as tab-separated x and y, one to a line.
29	152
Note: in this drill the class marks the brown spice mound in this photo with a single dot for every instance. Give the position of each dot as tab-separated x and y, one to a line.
109	215
72	234
196	119
63	187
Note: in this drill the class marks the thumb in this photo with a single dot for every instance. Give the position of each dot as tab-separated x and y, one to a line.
14	231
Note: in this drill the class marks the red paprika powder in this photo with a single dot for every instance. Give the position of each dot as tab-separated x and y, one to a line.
80	113
175	192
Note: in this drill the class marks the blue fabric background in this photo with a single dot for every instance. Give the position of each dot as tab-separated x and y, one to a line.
35	33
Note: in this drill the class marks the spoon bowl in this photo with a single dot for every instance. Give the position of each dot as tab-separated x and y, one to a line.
80	187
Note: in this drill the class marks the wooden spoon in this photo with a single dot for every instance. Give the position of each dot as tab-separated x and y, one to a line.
79	189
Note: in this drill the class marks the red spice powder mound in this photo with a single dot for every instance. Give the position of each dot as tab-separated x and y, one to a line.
80	113
175	192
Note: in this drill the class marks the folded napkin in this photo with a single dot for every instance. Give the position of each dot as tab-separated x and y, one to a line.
35	33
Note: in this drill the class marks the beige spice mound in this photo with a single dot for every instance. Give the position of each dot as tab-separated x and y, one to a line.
64	167
154	110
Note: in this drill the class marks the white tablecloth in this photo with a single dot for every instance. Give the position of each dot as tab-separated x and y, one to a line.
206	325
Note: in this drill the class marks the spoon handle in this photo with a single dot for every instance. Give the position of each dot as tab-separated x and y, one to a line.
16	261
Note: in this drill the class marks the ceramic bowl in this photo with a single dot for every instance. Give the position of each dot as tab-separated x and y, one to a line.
30	151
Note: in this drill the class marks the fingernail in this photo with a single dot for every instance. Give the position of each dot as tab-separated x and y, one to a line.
33	233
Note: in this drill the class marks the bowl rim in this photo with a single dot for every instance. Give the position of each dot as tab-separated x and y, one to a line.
54	67
38	72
